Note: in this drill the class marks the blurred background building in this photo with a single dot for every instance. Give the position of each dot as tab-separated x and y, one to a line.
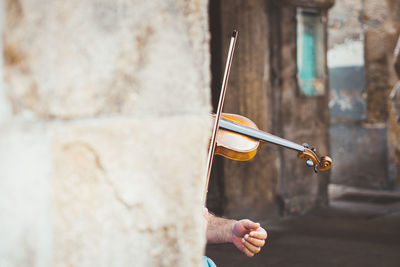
324	73
346	49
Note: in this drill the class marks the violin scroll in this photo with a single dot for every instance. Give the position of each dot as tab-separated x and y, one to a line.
311	158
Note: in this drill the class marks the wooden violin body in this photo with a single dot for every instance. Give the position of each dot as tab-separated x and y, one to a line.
233	145
238	138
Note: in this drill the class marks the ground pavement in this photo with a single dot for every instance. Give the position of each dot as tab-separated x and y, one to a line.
359	228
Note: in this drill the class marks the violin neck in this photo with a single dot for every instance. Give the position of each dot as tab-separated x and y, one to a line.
258	135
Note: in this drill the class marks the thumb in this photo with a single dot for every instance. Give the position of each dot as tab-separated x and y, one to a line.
251	225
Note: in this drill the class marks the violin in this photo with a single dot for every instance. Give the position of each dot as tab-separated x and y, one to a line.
238	138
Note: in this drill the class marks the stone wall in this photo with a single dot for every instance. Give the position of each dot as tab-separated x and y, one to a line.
104	126
359	152
394	102
304	120
378	86
362	36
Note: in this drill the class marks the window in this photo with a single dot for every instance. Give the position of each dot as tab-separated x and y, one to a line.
310	52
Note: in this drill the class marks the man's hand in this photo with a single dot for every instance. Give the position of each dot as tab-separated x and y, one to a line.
248	237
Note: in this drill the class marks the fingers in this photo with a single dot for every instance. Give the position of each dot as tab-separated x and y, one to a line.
260	233
255	242
250	247
247	252
251	236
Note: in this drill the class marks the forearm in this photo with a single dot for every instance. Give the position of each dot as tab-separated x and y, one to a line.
219	230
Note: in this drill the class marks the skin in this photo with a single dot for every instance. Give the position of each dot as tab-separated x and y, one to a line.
248	236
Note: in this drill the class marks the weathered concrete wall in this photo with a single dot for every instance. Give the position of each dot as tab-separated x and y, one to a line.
359	152
394	135
304	120
376	66
392	27
360	84
394	121
104	127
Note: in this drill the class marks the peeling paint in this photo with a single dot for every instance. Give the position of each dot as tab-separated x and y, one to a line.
347	97
349	53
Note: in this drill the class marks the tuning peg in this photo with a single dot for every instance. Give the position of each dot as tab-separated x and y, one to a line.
314	150
309	163
306	145
315	168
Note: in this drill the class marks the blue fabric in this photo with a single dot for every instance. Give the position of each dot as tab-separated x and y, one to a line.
207	262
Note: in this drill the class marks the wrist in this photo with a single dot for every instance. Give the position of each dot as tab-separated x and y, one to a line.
232	230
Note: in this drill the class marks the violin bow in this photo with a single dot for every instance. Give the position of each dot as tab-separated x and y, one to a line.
225	79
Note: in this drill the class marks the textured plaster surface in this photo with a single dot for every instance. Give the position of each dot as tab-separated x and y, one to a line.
104	126
362	110
378	85
347	101
304	120
84	58
345	25
25	194
394	122
125	211
361	156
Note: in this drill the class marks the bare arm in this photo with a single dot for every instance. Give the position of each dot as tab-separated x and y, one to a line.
246	235
219	230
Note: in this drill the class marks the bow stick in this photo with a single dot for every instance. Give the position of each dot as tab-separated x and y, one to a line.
211	150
